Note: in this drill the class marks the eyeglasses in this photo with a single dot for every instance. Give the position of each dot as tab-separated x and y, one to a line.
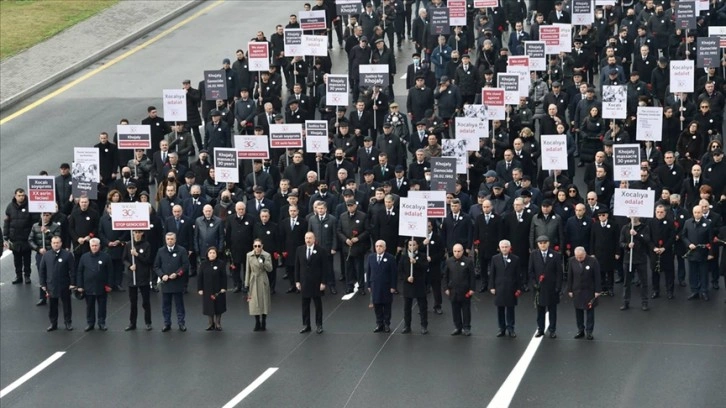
601	215
256	246
704	106
572	191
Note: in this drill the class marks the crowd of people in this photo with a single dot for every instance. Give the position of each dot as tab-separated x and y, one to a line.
509	227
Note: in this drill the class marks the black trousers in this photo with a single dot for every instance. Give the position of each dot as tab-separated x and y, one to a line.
291	275
236	274
434	277
461	312
91	301
354	272
642	271
318	311
505	315
117	269
580	317
484	271
65	297
608	279
21	259
272	277
422	311
667	268
383	313
145	303
541	310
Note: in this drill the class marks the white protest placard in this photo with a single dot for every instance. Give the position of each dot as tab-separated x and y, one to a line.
565	43
550	35
86	164
336	90
633	203
315	45
313	20
614	101
493	103
286	135
374	75
258	56
720	32
456	149
226	165
485	3
175	105
348	7
626	162
470	130
130	216
519	64
649	125
583	12
682	76
133	137
435	201
316	136
412	221
457	12
294	47
41	194
251	147
536	51
554	152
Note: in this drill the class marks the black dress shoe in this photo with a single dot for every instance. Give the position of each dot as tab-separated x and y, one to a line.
538	333
669	295
27	282
102	327
644	307
406	330
466	332
17	280
714	286
553	335
52	327
291	290
619	280
512	333
237	289
501	333
456	332
655	295
693	296
424	330
682	284
386	329
130	327
483	290
319	330
211	327
704	297
333	291
88	328
306	329
182	328
41	302
580	335
69	327
362	292
438	310
154	289
165	329
118	288
625	306
589	336
148	327
378	329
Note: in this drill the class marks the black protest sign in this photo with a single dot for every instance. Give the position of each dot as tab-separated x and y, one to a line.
374	75
686	15
215	85
443	173
440	21
709	49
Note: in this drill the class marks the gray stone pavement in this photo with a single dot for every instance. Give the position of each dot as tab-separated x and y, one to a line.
82	45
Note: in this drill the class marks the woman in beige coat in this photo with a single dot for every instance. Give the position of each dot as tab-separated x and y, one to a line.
259	263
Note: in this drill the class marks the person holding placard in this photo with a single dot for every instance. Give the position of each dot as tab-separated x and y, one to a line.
459	284
39	239
138	263
545	271
636	242
412	273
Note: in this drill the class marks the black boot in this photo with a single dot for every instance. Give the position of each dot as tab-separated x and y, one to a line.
258	326
263	326
218	322
210	326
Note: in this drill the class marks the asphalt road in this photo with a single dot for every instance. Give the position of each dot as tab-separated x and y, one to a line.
671	356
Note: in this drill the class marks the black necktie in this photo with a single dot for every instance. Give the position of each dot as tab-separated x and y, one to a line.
310	252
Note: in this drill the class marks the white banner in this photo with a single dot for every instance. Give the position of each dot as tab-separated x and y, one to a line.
336	90
286	135
614	101
251	147
682	76
493	103
554	152
626	162
226	165
435	201
583	12
86	164
258	56
294	46
565	44
456	149
130	216
633	203
471	130
718	31
41	194
175	105
316	136
649	125
413	220
316	45
518	64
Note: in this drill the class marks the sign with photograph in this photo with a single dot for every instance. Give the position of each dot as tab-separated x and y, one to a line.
614	101
471	130
456	148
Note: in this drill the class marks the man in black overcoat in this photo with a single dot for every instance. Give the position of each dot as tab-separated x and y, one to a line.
504	271
583	287
460	282
545	273
57	278
381	281
311	262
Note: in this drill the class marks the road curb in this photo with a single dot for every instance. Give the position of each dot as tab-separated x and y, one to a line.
95	57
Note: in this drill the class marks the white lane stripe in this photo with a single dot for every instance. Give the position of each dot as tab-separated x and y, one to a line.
247	391
6	254
350	295
506	392
40	367
404	76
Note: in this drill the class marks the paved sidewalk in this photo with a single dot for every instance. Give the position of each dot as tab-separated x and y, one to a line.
85	43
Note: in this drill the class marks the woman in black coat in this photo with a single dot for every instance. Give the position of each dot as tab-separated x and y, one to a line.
592	130
212	286
690	146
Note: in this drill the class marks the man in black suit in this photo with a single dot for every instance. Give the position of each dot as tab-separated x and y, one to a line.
457	228
311	262
505	166
583	287
604	246
57	278
545	273
381	277
183	227
361	122
266	118
160	160
460	282
353	235
690	186
504	271
488	231
158	128
292	234
697	233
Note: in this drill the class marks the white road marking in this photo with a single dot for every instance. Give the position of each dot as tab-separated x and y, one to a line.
247	391
352	294
40	367
6	254
506	392
404	76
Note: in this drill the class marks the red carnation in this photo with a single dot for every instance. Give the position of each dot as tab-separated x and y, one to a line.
557	247
517	293
107	288
601	137
476	242
708	246
568	246
355	233
91	235
213	297
677	224
660	242
232	266
276	255
541	278
284	254
715	240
